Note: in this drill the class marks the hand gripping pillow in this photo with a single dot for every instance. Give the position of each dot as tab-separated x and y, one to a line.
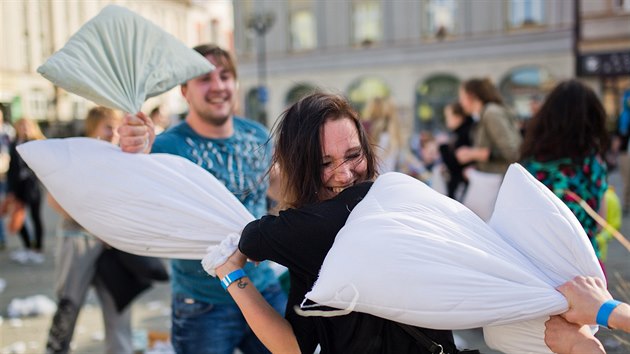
544	229
156	205
119	59
414	256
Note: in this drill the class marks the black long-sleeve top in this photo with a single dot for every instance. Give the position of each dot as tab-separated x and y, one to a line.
299	239
462	136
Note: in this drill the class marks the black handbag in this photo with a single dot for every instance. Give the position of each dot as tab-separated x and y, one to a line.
127	275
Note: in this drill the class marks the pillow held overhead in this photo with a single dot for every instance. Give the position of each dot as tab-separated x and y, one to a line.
119	59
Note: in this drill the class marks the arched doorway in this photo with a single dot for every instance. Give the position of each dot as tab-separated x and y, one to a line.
432	95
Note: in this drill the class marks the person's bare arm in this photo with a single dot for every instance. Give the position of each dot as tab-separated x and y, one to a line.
56	207
563	337
137	133
270	327
586	296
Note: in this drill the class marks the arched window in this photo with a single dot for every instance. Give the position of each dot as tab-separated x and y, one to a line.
524	88
297	92
432	95
362	90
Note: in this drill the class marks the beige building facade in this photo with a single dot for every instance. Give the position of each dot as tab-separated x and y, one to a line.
418	51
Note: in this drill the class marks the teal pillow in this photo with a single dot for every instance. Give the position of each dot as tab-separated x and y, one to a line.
119	59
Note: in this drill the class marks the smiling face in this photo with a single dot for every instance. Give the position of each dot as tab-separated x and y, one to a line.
343	161
107	129
212	97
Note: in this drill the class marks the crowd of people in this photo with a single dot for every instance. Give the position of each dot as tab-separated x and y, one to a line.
324	159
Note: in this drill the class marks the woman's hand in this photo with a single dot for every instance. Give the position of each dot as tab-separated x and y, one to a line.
466	154
137	133
585	296
236	261
567	338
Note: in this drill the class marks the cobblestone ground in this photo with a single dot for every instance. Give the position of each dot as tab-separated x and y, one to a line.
151	311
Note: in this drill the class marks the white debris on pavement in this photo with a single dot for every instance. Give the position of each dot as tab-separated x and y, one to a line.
35	305
15	323
98	336
15	348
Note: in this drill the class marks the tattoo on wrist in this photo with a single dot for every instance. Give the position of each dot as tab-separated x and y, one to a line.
241	283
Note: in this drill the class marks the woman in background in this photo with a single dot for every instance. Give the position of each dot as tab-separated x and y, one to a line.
563	148
23	188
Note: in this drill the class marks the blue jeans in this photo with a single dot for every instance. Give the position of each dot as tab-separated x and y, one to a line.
204	328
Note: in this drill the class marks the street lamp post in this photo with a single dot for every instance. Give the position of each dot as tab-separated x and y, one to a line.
260	23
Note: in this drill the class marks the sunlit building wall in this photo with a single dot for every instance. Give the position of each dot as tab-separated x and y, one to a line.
418	52
32	30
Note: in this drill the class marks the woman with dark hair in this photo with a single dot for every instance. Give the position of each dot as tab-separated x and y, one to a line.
496	140
326	167
496	137
563	148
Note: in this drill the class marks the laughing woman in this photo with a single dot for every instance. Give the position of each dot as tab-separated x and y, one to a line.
326	167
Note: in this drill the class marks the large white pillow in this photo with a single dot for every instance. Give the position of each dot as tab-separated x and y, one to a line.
537	223
412	255
119	59
157	205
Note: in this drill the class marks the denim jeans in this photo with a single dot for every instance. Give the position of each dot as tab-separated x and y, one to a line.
204	328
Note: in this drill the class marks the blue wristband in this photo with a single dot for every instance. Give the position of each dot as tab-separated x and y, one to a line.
605	310
232	277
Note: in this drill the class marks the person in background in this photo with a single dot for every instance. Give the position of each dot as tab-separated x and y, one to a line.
77	254
23	187
589	303
384	130
7	134
460	125
326	166
160	122
496	136
205	319
563	148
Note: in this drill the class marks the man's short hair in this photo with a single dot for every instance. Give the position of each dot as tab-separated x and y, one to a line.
220	55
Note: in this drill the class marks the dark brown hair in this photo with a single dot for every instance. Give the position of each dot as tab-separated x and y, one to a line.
457	109
298	149
483	90
570	123
220	55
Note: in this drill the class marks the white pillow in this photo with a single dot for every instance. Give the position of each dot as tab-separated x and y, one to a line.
119	59
157	205
537	223
414	256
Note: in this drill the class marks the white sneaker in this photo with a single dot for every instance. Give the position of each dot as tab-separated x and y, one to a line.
20	256
36	257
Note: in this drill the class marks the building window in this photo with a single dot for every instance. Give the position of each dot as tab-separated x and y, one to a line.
254	108
367	22
524	89
623	5
523	13
432	95
302	25
364	89
297	92
439	18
